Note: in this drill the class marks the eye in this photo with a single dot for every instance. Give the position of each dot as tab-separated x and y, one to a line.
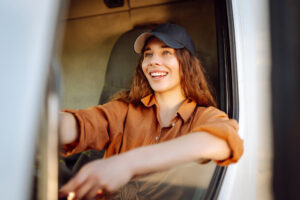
167	52
147	54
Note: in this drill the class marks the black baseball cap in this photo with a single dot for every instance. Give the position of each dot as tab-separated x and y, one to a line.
173	35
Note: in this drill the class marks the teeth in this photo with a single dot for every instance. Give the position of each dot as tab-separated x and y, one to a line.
158	74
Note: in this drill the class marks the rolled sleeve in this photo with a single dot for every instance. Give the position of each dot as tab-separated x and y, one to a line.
217	123
98	126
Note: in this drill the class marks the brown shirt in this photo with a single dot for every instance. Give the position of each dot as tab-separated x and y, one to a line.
119	127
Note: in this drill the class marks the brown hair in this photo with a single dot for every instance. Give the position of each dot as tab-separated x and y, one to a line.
193	81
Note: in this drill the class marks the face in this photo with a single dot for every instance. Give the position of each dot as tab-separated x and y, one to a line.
161	67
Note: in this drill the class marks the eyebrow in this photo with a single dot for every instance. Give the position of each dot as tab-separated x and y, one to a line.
162	46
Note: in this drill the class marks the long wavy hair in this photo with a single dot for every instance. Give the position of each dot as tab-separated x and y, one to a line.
192	81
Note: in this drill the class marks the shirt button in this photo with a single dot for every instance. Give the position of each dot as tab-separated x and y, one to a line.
156	138
173	124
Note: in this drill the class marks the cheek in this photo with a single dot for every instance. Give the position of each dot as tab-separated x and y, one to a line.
179	76
144	68
176	68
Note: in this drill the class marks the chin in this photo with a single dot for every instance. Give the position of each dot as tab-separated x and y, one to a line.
160	89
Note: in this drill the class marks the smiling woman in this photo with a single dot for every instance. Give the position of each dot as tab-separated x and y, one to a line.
161	67
143	129
232	42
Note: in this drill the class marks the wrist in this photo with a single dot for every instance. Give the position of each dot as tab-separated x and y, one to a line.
128	161
139	161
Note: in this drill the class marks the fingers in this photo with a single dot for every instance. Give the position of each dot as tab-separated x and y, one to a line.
94	192
73	184
95	176
84	189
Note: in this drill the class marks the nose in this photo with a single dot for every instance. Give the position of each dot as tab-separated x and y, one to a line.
155	60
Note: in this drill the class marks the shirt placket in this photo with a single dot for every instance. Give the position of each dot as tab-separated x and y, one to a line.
157	137
164	129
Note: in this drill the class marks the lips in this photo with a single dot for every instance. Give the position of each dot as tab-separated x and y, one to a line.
158	74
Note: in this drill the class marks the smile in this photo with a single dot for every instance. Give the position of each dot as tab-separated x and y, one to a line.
158	74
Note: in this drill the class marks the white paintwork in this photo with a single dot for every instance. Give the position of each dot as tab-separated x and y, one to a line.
26	39
253	62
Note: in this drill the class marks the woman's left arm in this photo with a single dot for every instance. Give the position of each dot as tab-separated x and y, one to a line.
191	147
114	172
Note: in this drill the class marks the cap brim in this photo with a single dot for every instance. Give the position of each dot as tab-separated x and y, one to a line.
141	39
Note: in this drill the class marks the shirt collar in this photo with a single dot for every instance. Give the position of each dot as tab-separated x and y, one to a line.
149	100
185	110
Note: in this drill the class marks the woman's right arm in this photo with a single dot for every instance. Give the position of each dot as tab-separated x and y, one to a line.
91	128
68	128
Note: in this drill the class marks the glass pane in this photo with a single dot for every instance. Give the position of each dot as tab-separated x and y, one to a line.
186	181
93	43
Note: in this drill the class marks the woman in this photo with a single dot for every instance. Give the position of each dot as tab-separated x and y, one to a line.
167	118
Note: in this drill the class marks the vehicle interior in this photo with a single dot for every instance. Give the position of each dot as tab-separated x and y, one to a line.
97	59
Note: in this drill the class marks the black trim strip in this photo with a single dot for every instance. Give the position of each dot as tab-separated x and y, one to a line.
229	101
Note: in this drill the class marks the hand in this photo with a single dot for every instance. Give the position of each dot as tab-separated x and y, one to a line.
101	175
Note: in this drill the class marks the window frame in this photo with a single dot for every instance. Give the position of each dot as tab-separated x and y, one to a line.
227	65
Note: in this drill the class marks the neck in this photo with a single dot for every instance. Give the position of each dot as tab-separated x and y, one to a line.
169	100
